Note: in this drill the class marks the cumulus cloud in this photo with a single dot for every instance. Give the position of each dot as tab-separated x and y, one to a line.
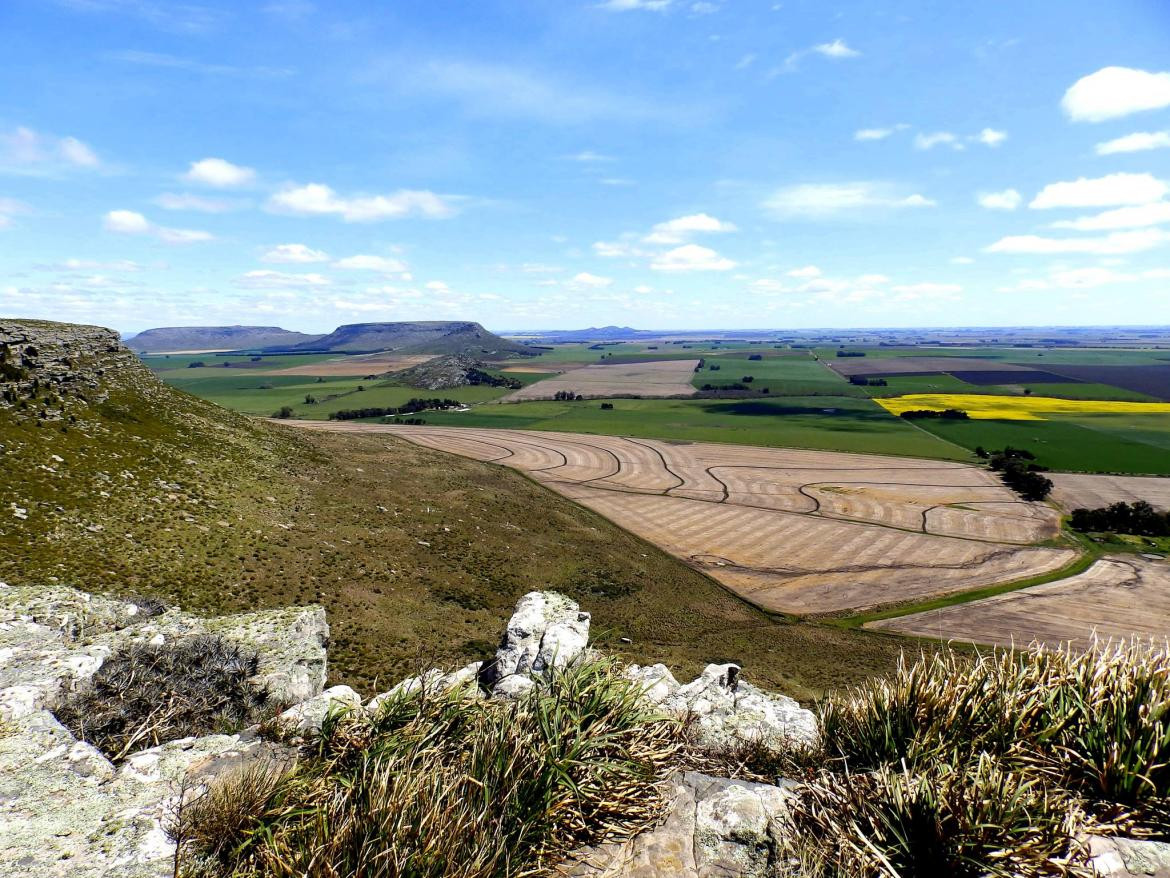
806	271
187	201
294	253
691	257
835	49
317	199
129	222
37	152
680	229
219	173
1113	92
826	200
1121	218
628	5
1114	244
369	262
1139	141
267	279
591	281
1008	199
1108	191
872	133
937	138
991	137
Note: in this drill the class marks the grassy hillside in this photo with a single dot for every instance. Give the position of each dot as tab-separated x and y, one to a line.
212	338
417	556
422	336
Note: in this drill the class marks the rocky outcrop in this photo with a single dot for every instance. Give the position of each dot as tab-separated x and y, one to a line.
65	808
546	632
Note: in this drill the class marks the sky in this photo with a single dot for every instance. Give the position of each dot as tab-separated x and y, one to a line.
663	164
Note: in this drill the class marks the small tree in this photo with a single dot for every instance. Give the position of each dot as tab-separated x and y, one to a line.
286	411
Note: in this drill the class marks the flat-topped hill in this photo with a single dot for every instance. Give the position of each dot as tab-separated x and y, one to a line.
423	336
168	339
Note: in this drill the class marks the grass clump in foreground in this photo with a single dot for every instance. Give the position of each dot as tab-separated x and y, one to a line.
443	784
145	695
995	767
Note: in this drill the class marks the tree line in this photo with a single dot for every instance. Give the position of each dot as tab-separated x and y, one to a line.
416	404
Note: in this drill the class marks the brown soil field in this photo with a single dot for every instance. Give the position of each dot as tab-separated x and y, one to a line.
662	378
1075	491
1150	379
794	531
357	366
1119	597
847	366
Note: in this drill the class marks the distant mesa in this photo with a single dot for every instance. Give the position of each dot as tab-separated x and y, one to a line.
170	339
448	337
595	333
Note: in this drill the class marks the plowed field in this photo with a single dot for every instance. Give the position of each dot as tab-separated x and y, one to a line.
791	530
1076	491
663	378
1118	597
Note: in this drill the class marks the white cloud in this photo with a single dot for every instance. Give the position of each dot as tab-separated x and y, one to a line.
368	262
592	281
294	253
10	207
680	229
77	153
266	279
437	286
1113	92
616	250
317	199
991	137
219	173
627	5
937	138
691	257
24	147
1139	141
1008	199
835	49
821	200
129	222
1114	244
1122	218
806	271
1108	191
588	156
872	133
962	260
187	201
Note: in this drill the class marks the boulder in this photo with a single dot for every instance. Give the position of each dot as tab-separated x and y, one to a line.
1125	857
307	717
547	631
435	680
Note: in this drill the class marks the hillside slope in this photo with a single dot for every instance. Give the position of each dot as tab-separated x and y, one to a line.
424	336
112	481
214	338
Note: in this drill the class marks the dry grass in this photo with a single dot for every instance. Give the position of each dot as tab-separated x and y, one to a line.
145	695
444	785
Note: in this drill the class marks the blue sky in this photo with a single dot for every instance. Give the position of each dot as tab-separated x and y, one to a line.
667	164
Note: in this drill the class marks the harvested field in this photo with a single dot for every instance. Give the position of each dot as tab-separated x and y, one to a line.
356	366
847	366
1118	597
660	378
1075	491
791	530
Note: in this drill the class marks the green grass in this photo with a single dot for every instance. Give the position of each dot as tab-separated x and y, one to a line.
823	422
942	383
1026	356
1084	443
791	374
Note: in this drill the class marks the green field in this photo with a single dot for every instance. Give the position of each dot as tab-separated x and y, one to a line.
899	385
821	422
782	373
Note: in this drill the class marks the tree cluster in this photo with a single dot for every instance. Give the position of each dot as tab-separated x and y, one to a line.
850	353
862	381
567	395
478	376
1138	518
926	414
1018	472
416	404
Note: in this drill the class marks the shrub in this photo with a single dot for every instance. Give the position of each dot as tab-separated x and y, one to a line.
286	411
439	784
196	364
145	695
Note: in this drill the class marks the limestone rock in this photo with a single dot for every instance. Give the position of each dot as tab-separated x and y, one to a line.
1125	857
435	680
547	631
308	716
726	710
714	828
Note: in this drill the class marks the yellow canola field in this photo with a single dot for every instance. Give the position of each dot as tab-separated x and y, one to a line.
1017	408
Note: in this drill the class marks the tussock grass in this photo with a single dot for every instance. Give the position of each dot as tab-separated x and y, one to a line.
991	767
444	785
145	695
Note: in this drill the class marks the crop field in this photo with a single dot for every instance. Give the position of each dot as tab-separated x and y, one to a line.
1017	408
356	366
1153	380
783	373
831	423
867	365
663	378
1118	597
794	531
1077	491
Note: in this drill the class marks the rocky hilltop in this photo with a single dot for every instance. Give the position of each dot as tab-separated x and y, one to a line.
422	336
71	810
168	339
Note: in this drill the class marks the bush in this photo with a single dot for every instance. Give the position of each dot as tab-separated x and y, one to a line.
196	364
1140	518
438	785
145	695
286	411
